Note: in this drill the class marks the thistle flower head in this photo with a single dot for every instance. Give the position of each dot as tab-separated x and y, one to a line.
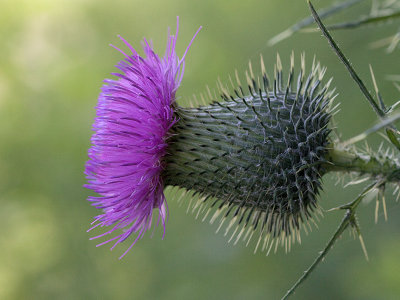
259	155
256	159
134	116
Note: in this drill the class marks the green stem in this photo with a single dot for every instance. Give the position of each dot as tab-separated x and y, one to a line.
343	225
365	21
391	128
348	217
346	161
346	62
323	13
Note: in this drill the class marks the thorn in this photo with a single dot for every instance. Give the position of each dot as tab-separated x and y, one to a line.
237	78
322	74
221	222
376	209
278	62
263	71
231	82
314	66
223	89
249	82
189	205
382	194
203	100
292	60
377	93
206	214
279	71
195	100
373	79
251	70
363	246
191	105
234	233
354	224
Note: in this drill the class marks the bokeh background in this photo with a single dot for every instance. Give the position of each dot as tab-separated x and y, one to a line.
54	55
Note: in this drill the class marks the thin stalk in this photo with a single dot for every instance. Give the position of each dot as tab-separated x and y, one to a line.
389	131
365	21
346	62
324	13
338	160
347	219
384	123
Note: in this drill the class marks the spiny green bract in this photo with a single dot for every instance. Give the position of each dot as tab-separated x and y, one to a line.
257	158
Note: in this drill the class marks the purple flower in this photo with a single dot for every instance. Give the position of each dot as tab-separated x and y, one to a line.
134	115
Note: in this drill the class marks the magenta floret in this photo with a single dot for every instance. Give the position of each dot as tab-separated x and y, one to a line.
134	116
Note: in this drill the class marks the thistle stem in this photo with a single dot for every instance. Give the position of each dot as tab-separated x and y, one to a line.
379	111
346	62
343	225
347	219
346	161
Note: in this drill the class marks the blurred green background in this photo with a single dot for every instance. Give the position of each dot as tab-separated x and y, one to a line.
53	58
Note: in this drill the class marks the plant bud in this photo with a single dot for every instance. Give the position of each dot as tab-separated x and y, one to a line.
256	158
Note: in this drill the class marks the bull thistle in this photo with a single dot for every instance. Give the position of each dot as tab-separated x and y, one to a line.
253	159
256	157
